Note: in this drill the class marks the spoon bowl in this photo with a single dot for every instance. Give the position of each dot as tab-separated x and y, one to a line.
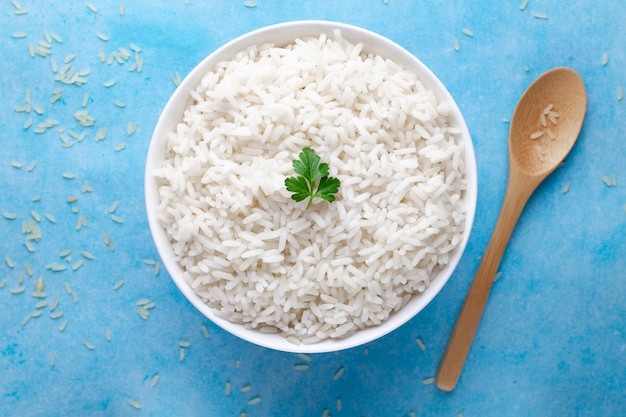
564	91
544	128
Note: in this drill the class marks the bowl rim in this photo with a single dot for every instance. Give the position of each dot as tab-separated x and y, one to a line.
172	114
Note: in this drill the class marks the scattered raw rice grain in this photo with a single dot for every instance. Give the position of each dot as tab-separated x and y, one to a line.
468	32
16	164
41	304
18	35
55	37
68	288
566	187
157	268
607	181
9	261
28	123
338	404
120	147
35	216
420	344
107	334
539	15
40	284
184	344
81	221
134	403
54	304
87	255
605	58
456	45
254	401
428	381
301	367
37	109
131	128
102	36
119	103
143	307
53	358
227	388
613	180
249	4
205	331
620	93
245	388
69	175
243	414
36	198
366	351
17	290
154	381
63	326
50	217
118	284
181	354
523	5
338	374
26	320
497	276
116	219
176	79
91	7
101	134
56	95
77	265
86	188
88	344
84	118
536	135
304	357
237	364
29	269
38	294
56	315
122	9
109	83
9	216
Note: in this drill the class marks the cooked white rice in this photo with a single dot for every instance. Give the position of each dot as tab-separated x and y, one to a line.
260	259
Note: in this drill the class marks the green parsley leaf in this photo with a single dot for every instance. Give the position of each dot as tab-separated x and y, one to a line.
312	180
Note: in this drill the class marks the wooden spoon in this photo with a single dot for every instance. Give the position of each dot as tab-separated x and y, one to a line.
544	128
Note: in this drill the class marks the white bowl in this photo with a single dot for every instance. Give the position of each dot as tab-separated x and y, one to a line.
282	34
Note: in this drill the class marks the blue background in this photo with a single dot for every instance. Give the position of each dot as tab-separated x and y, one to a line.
552	341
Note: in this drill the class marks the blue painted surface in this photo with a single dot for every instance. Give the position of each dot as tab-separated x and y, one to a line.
552	341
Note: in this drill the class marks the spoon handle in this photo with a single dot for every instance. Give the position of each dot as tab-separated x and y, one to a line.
465	328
